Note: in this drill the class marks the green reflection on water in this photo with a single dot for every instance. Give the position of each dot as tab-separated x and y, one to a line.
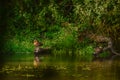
51	69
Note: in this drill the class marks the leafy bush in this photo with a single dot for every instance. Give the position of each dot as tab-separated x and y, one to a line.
42	20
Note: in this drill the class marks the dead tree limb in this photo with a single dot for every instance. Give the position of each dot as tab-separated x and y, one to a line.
110	47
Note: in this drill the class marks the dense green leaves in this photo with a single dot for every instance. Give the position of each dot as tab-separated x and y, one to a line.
58	23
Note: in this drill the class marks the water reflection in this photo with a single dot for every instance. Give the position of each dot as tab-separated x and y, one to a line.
97	70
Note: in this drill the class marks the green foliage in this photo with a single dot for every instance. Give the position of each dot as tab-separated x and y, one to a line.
104	55
64	40
86	53
42	20
17	46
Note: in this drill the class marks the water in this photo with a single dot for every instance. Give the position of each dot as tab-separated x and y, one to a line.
52	69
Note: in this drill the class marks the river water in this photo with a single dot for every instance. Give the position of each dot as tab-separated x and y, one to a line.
61	70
